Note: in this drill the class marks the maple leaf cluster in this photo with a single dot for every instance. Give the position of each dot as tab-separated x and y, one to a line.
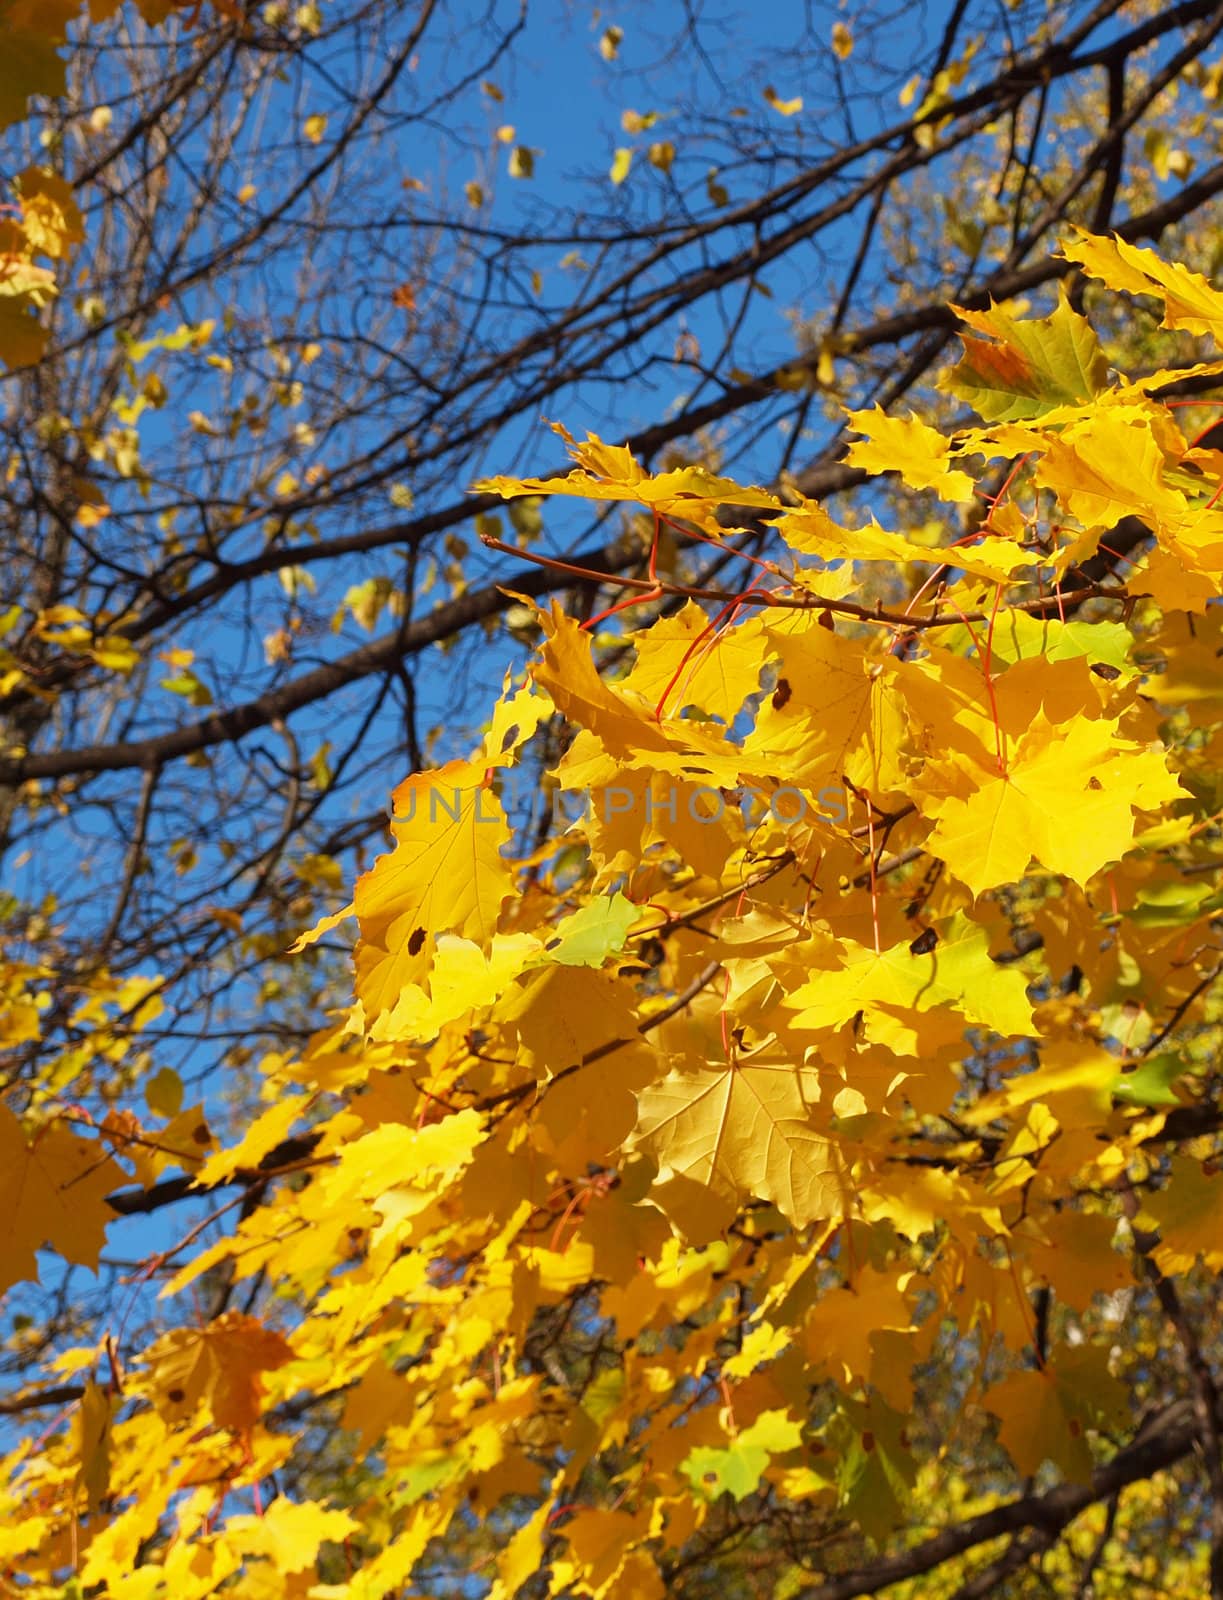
648	1168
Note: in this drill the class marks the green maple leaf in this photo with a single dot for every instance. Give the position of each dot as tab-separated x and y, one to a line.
1020	370
590	935
737	1469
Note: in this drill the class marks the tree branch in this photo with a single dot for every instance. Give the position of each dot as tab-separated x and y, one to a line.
1165	1440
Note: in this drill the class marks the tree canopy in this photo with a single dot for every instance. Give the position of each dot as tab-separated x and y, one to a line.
738	499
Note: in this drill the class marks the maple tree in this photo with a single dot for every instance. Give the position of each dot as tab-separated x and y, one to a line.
753	1106
766	1135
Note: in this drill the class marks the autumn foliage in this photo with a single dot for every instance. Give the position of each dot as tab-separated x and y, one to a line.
793	1129
746	1085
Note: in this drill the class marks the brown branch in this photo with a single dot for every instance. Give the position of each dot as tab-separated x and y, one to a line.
1016	1555
1188	1122
1106	199
287	1156
135	855
904	620
1178	1015
822	478
1205	1390
34	1399
1168	1438
226	727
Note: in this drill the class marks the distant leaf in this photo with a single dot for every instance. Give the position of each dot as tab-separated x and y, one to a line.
163	1093
1150	1083
93	1436
1045	1415
787	108
1186	1210
30	64
49	213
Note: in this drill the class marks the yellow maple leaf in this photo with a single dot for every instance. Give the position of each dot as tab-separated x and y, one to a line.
1074	1081
612	472
24	289
841	1325
831	715
523	1555
1195	539
289	1534
919	453
220	1366
183	1142
446	874
93	1441
1190	301
1171	584
743	1130
624	811
1045	1415
1109	466
52	1192
811	531
1067	799
598	1545
263	1134
515	719
957	971
681	658
463	978
626	722
785	108
390	1571
379	1166
1076	1257
1026	368
49	214
1187	1211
